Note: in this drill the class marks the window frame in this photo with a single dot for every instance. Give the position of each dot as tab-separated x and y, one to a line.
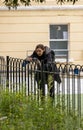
60	57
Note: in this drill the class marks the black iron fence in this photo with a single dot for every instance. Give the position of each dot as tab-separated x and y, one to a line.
2	70
29	79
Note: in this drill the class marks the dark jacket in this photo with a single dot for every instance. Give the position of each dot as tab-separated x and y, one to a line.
47	63
47	57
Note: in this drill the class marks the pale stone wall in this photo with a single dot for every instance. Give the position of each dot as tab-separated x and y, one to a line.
23	30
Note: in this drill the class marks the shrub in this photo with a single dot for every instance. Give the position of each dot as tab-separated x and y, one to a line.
28	113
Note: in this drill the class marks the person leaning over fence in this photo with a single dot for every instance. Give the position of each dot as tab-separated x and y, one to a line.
45	60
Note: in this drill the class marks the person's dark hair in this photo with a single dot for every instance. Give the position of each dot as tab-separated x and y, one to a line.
40	46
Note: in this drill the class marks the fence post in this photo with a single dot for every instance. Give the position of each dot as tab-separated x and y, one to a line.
7	76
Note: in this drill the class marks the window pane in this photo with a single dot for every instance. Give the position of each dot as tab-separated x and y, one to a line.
61	53
56	31
59	47
58	44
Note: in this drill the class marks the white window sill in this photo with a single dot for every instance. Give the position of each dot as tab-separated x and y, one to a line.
62	60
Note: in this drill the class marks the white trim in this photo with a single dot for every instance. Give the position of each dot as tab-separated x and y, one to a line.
62	60
43	7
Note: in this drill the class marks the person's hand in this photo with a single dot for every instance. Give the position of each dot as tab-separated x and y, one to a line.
29	59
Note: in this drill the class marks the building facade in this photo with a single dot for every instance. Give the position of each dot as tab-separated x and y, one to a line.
57	26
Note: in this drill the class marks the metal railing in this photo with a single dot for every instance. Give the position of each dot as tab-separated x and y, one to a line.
2	70
17	78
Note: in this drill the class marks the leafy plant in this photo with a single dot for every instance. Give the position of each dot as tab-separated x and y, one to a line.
15	3
63	1
28	113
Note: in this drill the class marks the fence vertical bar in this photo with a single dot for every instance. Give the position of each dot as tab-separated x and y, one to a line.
28	78
42	79
79	98
7	76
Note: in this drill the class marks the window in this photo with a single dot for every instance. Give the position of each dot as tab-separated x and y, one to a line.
59	41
